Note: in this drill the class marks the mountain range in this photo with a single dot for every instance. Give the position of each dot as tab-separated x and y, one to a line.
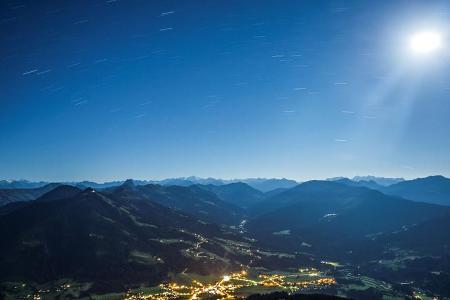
134	233
262	184
319	213
431	189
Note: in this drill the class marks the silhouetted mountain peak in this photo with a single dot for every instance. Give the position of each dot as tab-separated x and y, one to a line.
128	183
434	178
60	192
127	186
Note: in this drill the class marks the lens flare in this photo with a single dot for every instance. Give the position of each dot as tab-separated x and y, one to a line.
426	42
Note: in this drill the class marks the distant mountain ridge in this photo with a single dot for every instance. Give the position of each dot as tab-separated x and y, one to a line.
432	189
194	200
385	181
21	184
238	193
382	181
262	184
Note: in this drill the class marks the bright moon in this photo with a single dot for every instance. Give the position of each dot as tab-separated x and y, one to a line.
425	42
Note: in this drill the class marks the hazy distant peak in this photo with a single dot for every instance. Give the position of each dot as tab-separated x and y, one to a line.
128	183
20	184
434	178
385	181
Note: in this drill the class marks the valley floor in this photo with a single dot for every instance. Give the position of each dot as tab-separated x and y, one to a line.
333	279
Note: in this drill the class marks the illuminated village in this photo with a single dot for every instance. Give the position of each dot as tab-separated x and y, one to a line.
233	285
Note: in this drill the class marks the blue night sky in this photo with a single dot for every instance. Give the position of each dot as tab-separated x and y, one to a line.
105	90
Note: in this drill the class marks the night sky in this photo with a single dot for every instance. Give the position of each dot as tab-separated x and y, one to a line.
105	90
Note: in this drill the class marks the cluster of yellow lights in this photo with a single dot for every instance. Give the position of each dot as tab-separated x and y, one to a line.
40	294
228	285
